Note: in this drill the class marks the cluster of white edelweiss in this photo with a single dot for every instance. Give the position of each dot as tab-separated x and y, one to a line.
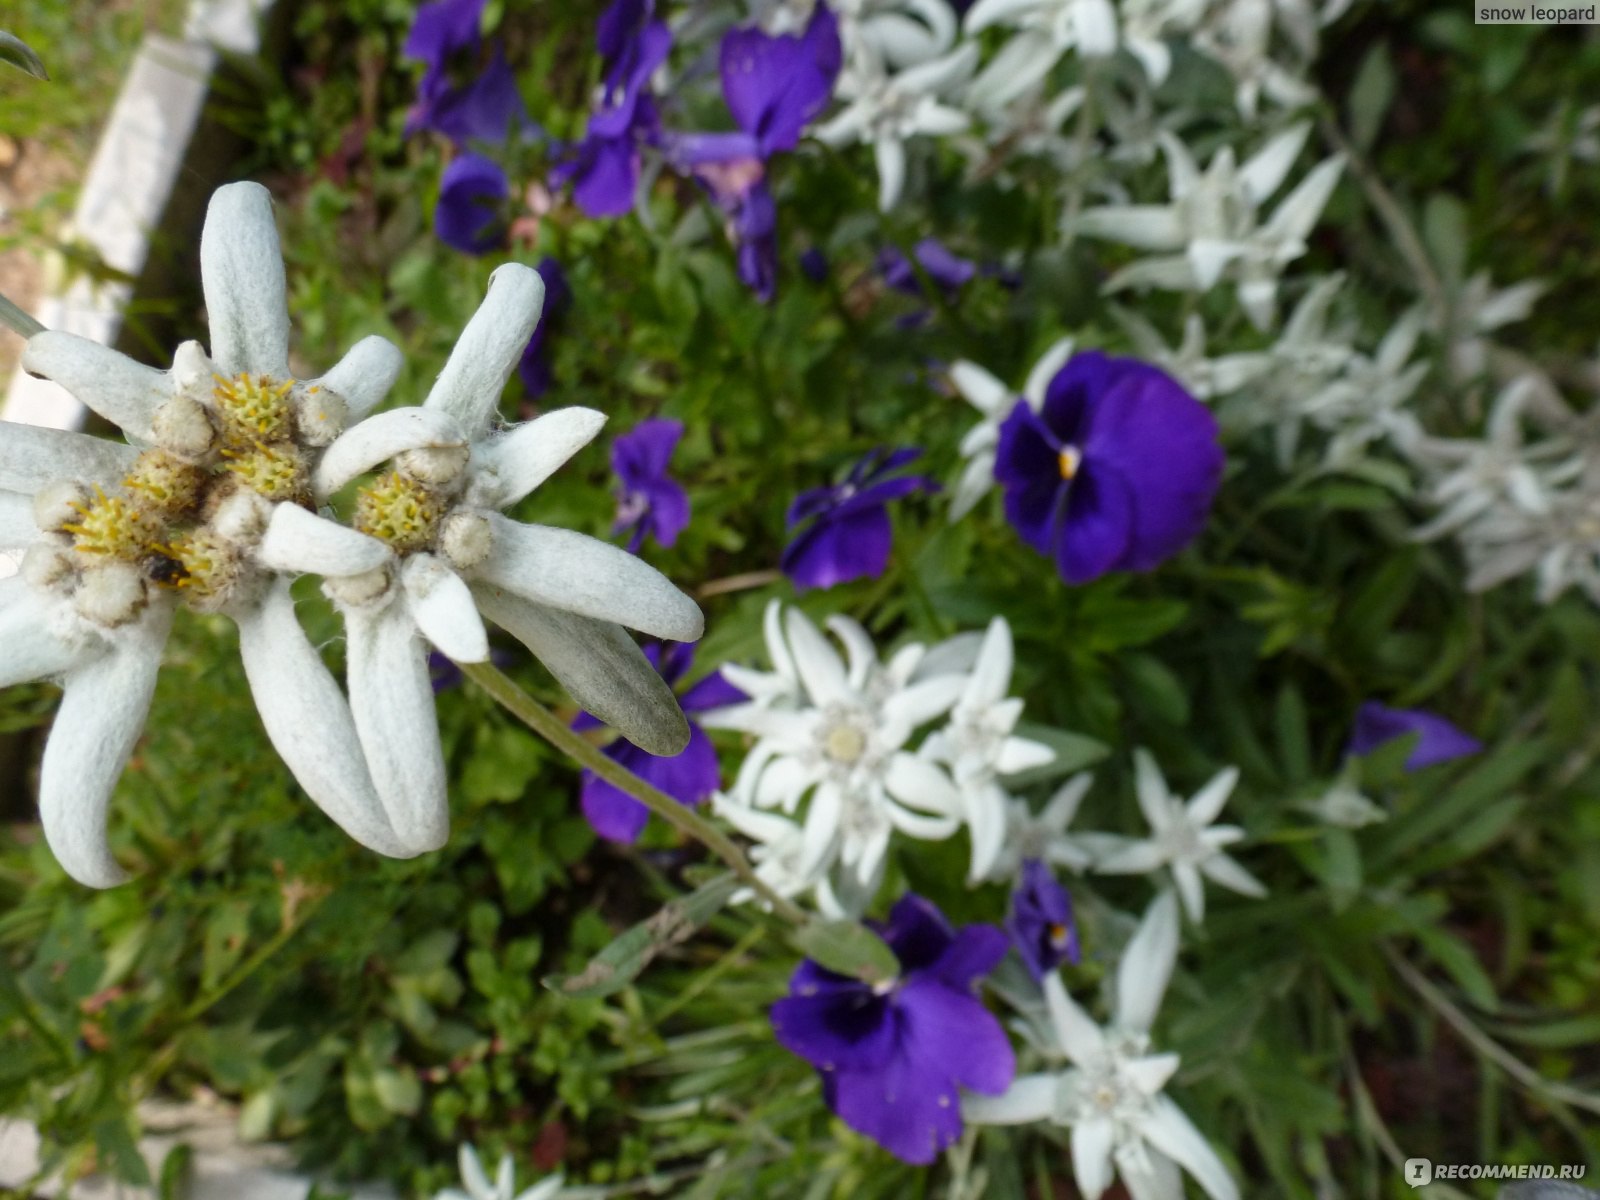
224	494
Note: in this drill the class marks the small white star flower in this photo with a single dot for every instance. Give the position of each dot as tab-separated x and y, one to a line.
1044	835
1183	838
478	1186
1112	1098
209	504
978	747
1212	219
842	745
1046	30
564	595
994	401
885	109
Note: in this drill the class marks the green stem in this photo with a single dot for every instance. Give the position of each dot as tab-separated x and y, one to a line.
1487	1048
680	816
17	320
250	965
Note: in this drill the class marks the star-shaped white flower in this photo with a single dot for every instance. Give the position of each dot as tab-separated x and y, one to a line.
1044	835
994	401
1183	838
478	1186
842	744
885	109
1112	1098
1046	30
1473	476
563	595
978	747
210	504
1212	219
1370	400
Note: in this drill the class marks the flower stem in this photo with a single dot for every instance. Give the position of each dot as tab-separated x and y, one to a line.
17	320
680	816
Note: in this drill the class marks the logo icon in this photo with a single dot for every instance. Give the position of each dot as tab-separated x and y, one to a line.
1419	1172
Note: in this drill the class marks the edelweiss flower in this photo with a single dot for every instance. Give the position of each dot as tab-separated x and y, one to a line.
1369	401
1212	218
978	747
842	744
563	595
995	401
214	508
1111	1098
1238	34
1475	477
479	1188
1046	30
885	109
1182	837
1044	835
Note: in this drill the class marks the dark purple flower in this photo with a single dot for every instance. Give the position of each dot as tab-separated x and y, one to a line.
649	502
1438	740
1041	924
740	190
814	265
604	168
949	270
461	95
893	1056
443	28
774	86
633	45
534	367
849	536
1116	472
471	211
688	777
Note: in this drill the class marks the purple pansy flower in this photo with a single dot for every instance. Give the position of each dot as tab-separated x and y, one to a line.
470	215
849	536
1116	472
1041	924
649	502
604	167
1439	740
484	103
633	44
688	777
534	367
774	86
946	268
893	1055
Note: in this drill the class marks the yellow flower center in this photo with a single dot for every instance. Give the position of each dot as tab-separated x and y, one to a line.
277	472
845	744
1069	460
112	527
253	407
400	511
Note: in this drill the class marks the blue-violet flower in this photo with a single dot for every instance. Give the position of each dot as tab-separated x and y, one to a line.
1041	924
850	536
1438	741
892	1055
1115	472
649	502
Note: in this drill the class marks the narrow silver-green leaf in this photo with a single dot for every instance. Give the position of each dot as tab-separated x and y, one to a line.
620	963
20	55
848	948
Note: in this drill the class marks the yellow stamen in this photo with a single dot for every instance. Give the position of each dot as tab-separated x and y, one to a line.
1069	460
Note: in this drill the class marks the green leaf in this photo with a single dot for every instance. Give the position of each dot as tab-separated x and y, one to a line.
1156	689
1459	962
1371	94
620	963
398	1090
174	1179
849	948
1560	1034
1074	752
20	55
